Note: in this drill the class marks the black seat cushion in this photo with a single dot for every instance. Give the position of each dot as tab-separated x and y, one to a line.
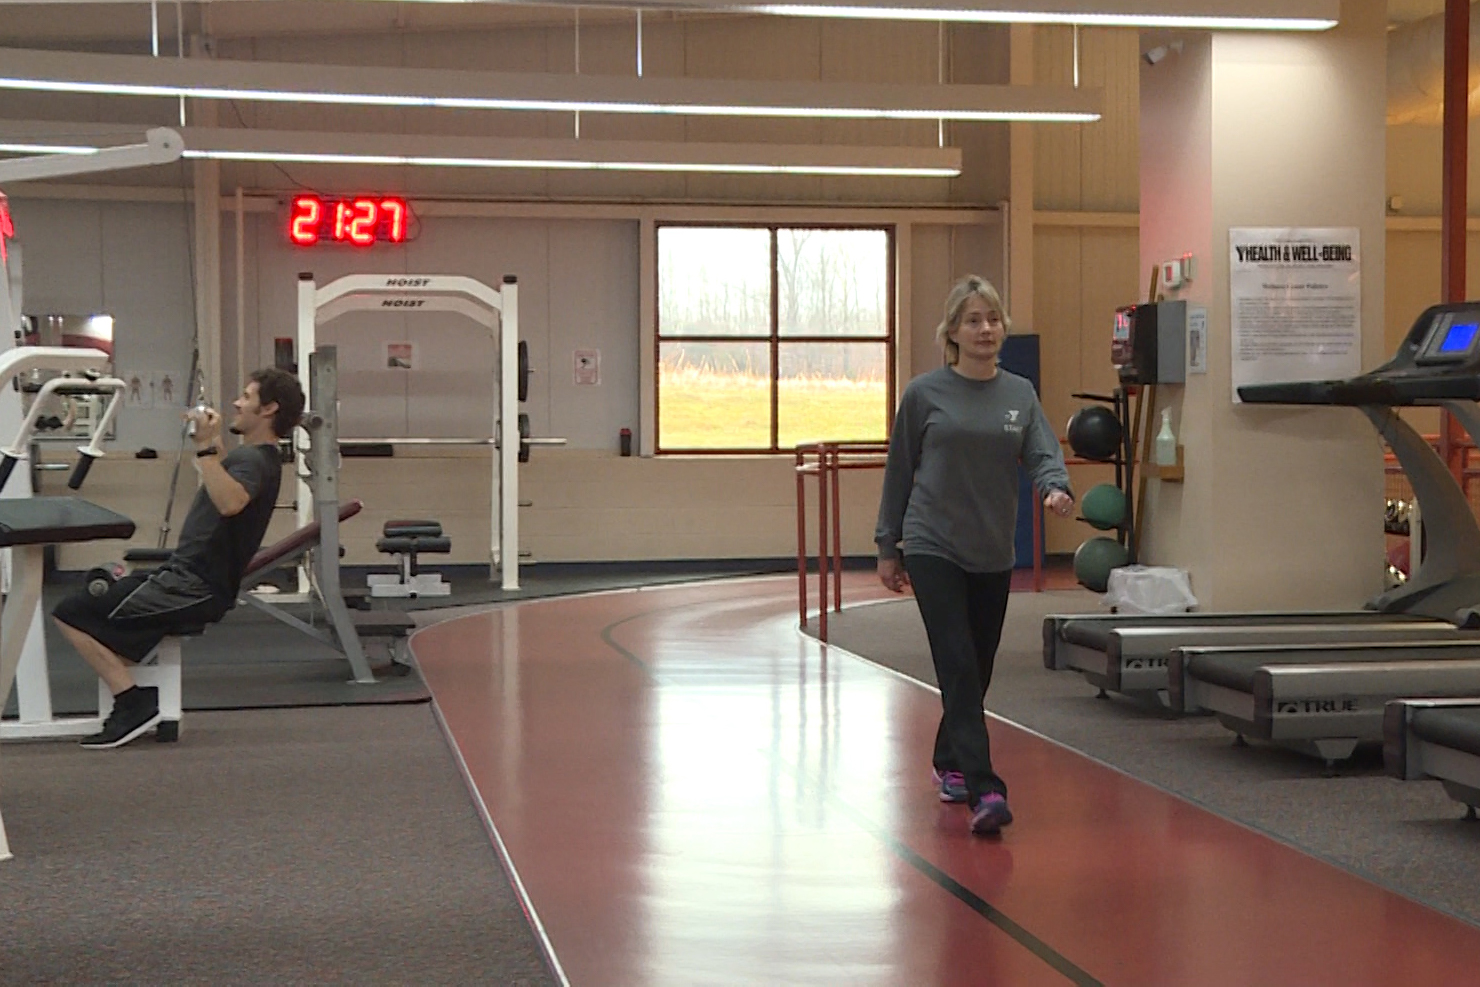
402	528
401	545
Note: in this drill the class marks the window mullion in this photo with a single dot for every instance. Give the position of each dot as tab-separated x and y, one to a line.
775	344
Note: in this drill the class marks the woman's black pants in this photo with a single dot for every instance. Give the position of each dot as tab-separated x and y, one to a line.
963	613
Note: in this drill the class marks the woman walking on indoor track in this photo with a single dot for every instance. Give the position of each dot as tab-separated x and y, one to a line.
946	521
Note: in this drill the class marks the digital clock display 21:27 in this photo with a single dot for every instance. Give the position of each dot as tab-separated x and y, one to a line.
362	220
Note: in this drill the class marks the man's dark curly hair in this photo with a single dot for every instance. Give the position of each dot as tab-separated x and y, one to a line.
280	387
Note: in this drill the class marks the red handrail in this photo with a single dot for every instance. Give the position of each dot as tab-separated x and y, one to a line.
826	461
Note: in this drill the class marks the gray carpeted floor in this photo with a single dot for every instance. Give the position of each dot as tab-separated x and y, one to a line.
291	846
247	661
1407	836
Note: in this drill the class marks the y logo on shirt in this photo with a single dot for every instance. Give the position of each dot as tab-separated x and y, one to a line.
1011	425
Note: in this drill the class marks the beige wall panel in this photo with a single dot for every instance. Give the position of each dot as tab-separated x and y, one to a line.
1091	272
1090	166
753	48
332	49
515	49
1059	316
1057	148
1110	164
879	51
984	161
933	274
1412	280
1415	157
978	55
1110	279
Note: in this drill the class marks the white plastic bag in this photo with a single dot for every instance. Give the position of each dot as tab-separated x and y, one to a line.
1145	589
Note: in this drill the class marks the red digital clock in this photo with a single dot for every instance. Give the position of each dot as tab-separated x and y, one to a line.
361	221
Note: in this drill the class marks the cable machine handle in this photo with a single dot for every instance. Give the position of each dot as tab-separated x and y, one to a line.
79	472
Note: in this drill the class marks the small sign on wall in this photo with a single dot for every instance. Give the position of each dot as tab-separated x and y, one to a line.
1197	339
588	367
400	356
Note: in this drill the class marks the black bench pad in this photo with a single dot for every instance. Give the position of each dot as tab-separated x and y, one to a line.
433	546
55	520
409	527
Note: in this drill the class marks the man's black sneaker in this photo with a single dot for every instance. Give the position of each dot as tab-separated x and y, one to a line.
129	719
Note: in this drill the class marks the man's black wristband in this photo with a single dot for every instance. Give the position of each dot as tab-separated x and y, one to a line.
208	451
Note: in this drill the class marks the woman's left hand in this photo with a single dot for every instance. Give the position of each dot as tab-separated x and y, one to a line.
1059	502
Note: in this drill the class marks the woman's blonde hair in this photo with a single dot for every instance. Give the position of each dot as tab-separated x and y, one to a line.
963	291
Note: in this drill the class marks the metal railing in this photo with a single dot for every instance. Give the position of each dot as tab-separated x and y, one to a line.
826	461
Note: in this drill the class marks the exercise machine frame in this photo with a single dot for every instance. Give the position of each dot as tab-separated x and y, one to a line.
498	311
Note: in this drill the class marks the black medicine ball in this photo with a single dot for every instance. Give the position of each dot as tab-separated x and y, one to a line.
1095	433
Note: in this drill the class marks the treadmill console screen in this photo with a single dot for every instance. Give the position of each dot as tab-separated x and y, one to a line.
1454	338
1458	338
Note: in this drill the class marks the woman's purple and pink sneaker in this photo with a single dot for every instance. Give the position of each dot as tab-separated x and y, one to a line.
990	814
951	785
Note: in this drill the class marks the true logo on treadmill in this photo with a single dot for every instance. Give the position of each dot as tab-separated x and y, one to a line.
1308	707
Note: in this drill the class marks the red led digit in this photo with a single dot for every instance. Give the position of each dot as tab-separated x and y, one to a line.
341	221
304	229
396	210
363	221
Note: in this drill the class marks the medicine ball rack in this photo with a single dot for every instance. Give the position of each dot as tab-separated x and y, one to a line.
1125	461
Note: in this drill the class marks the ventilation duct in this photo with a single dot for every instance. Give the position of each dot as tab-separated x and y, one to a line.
1415	71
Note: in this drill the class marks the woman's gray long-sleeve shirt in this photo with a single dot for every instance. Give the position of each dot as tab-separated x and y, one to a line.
951	481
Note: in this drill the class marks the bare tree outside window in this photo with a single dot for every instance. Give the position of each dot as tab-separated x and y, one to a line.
810	364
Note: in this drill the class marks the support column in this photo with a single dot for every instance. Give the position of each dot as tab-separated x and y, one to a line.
1282	507
1020	188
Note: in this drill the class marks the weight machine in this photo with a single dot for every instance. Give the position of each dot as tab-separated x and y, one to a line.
498	311
22	642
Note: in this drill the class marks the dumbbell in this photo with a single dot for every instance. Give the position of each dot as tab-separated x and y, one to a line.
100	578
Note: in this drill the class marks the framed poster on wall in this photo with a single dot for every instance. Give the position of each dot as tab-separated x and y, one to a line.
1295	304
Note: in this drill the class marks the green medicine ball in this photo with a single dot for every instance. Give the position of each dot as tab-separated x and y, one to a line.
1104	506
1095	558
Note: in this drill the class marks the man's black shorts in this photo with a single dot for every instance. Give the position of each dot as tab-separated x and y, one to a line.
140	609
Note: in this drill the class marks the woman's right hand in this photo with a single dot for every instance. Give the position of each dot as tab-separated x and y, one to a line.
893	576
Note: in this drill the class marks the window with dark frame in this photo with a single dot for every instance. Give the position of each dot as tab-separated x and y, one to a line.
771	336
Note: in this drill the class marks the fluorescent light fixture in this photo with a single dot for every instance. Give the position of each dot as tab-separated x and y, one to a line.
132	75
1213	15
433	151
8	147
1185	22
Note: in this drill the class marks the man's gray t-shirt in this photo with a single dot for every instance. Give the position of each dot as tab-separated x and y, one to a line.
217	549
951	482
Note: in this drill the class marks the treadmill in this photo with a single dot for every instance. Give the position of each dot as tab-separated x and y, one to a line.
1438	364
1319	699
1439	739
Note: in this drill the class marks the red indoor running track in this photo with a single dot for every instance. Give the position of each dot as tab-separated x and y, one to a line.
691	792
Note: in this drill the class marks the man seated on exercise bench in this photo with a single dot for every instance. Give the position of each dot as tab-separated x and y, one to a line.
199	582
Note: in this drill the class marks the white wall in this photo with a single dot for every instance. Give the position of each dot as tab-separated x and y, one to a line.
577	290
130	260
